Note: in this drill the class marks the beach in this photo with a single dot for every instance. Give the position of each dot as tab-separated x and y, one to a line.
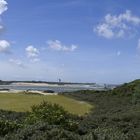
28	92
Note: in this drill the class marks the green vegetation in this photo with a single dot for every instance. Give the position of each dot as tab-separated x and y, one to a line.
45	121
23	102
116	116
5	82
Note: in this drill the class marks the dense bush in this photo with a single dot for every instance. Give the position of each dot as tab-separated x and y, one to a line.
52	114
42	131
117	110
8	126
12	116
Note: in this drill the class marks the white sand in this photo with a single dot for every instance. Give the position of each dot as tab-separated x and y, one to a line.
28	92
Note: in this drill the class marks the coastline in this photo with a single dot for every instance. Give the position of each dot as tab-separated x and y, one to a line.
43	88
50	85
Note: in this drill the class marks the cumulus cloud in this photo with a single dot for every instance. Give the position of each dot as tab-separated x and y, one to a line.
32	53
4	46
117	26
3	6
58	46
16	62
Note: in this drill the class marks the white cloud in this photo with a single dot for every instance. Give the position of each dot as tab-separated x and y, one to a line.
117	26
16	62
32	51
58	46
4	46
104	30
3	6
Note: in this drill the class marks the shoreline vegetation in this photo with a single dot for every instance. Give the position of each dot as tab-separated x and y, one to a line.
42	82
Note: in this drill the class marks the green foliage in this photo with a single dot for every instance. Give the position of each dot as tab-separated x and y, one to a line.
8	126
116	114
42	131
50	113
116	117
12	116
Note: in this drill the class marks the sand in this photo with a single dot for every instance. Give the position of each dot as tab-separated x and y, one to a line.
27	92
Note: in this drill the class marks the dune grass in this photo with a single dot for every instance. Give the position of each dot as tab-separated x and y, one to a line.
22	102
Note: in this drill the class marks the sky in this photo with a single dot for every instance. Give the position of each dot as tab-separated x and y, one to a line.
75	40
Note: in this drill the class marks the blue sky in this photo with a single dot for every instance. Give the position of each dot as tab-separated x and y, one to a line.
75	40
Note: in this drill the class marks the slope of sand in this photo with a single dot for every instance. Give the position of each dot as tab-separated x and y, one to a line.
27	92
